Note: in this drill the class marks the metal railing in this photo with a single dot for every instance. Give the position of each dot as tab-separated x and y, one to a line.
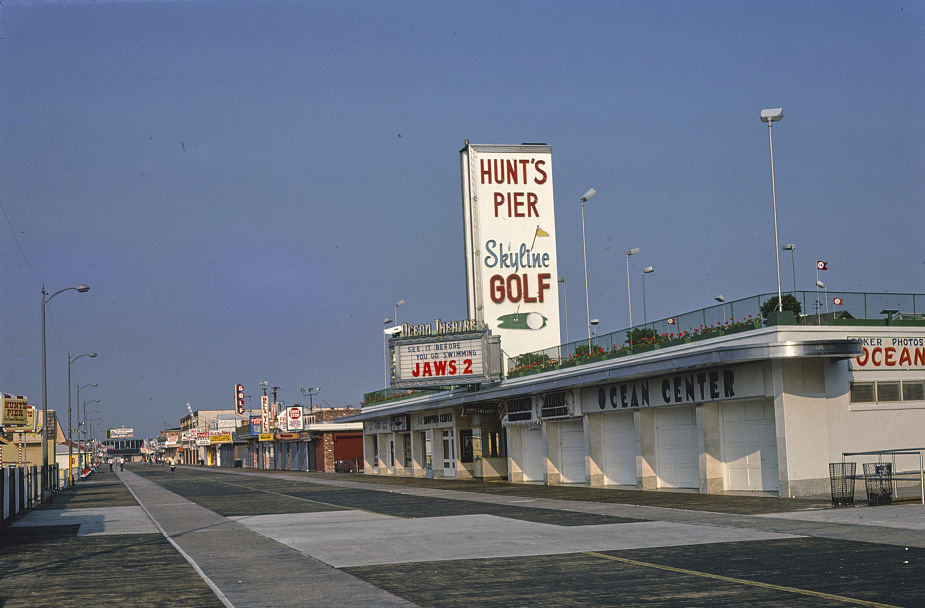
816	308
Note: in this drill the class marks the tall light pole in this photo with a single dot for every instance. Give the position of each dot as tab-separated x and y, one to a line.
385	353
771	116
790	247
46	481
822	285
309	392
584	248
722	301
565	295
645	271
70	448
79	423
397	304
88	432
629	298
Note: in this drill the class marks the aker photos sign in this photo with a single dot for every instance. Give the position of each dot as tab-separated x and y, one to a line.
510	243
465	358
882	353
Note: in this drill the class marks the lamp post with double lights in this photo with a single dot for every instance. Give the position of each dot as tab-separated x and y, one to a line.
771	116
46	478
629	298
645	271
584	248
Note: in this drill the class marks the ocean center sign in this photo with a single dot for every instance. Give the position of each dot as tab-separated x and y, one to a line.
510	239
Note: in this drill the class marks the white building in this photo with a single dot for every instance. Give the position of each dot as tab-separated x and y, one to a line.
743	408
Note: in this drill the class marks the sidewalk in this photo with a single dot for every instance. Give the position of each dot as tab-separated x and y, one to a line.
95	543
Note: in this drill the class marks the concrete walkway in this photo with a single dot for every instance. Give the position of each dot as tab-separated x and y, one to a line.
265	538
246	568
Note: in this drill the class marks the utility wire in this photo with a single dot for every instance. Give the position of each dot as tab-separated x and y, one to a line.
18	244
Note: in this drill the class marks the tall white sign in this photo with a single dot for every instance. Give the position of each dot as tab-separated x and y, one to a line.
510	234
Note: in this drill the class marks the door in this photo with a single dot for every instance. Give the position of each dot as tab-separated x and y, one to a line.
572	451
750	447
678	464
449	453
619	436
533	457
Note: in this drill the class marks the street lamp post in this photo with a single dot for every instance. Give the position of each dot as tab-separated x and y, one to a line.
397	304
771	116
722	301
629	298
70	447
46	481
79	423
790	247
584	248
385	353
565	295
88	431
645	271
309	392
826	291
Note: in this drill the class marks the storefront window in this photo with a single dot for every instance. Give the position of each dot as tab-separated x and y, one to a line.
887	391
913	391
406	459
493	444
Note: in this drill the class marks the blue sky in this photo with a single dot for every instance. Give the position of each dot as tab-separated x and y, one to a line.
249	187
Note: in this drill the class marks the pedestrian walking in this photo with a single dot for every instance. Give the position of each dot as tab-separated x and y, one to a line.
173	464
121	464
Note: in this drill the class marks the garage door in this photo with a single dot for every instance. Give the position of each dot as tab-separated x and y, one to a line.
678	455
572	446
619	449
534	455
750	447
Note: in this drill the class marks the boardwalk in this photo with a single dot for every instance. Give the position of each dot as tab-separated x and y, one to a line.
231	537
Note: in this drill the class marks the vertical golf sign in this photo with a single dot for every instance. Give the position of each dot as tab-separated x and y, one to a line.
510	244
